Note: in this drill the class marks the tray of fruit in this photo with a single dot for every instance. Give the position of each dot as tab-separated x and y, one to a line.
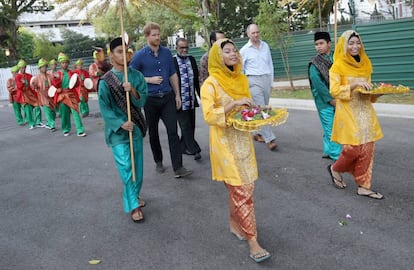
255	118
385	88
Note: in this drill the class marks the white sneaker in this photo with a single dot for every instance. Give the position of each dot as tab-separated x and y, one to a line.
40	125
66	134
83	134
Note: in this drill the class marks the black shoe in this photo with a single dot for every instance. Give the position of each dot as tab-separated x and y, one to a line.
327	157
159	167
182	172
197	156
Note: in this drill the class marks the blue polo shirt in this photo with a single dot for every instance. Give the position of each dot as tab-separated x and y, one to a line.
150	65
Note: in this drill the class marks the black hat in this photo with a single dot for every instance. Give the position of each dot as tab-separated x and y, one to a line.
322	35
115	43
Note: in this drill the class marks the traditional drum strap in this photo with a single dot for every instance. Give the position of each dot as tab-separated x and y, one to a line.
323	64
118	93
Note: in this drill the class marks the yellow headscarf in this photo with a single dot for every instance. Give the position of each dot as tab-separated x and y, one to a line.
14	69
42	62
21	63
79	62
53	62
234	83
345	64
63	58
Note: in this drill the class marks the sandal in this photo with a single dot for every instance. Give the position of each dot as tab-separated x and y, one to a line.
137	216
260	256
337	181
238	235
371	194
141	202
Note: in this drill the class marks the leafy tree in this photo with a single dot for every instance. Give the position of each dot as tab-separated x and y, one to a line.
76	43
273	27
25	44
10	10
236	15
44	48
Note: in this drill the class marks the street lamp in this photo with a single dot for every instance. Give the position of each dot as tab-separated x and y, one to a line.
7	54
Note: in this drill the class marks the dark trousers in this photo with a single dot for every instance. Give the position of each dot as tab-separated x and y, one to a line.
186	119
163	108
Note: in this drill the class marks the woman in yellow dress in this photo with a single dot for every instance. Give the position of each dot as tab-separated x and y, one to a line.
355	125
232	155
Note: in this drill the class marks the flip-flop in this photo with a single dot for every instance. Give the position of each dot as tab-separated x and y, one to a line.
260	256
141	202
241	238
334	180
372	195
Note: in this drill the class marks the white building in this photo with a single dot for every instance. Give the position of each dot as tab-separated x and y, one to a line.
365	8
50	23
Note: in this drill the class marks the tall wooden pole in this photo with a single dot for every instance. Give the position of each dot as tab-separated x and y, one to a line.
131	142
320	15
336	21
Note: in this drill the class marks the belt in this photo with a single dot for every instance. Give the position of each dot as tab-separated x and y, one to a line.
160	95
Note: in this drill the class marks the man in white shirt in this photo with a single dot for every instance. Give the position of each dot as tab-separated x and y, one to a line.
258	66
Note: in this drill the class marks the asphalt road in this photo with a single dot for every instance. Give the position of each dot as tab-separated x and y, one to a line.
61	205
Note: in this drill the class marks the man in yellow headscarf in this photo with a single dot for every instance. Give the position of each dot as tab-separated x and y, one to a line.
41	84
81	89
355	125
11	87
28	97
67	99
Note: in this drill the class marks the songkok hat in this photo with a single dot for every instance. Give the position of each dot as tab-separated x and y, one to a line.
53	62
62	57
21	63
42	62
79	62
115	43
322	35
14	69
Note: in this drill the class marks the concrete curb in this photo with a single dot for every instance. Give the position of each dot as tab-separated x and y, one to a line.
382	109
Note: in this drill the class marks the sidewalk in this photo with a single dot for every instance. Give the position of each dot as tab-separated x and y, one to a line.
382	109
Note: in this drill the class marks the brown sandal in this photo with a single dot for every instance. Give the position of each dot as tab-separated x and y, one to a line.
338	182
137	216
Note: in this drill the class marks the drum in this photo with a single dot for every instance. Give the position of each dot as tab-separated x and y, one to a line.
52	91
74	81
88	83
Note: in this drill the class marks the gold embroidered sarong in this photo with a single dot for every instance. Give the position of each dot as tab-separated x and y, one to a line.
242	209
358	161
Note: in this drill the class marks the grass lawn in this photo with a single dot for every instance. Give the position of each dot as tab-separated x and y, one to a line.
306	94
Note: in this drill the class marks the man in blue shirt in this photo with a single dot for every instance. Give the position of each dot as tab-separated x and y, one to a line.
164	99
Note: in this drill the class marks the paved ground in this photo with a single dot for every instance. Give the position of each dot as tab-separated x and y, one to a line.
60	205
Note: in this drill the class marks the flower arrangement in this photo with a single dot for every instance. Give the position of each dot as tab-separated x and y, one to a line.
255	113
386	88
255	118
